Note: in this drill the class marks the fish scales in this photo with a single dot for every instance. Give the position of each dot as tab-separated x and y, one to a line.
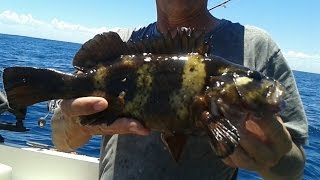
170	84
160	88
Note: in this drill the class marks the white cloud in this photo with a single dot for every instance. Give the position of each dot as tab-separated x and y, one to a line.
59	24
303	62
301	55
25	19
25	24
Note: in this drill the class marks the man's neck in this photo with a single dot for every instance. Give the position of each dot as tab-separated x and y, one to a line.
172	16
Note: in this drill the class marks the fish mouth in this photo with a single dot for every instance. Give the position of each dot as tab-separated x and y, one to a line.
275	95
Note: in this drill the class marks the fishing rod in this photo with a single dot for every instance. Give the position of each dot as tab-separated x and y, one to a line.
218	5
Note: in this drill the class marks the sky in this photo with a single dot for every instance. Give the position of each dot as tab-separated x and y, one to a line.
294	25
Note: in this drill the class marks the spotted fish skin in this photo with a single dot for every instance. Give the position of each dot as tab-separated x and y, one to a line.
173	93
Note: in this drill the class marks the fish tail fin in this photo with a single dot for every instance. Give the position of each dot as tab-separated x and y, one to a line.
25	86
223	136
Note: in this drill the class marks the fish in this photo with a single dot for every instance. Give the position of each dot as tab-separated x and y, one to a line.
170	84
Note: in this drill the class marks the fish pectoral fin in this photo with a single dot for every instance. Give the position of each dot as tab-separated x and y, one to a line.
98	118
174	143
223	136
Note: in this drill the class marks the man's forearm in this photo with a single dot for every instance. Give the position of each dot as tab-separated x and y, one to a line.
289	167
67	135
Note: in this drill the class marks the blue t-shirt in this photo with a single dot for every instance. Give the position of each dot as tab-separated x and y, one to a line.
135	157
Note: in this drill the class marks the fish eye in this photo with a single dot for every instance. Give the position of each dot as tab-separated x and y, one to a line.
254	75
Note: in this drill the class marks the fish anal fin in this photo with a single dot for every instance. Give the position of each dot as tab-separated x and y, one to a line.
223	136
175	144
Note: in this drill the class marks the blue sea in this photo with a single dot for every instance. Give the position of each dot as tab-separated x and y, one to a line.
27	51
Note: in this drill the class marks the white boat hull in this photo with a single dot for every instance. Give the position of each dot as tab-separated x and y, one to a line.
44	164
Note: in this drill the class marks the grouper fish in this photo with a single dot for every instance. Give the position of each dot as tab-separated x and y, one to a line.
170	84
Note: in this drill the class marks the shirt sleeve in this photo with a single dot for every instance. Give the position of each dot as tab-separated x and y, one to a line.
293	114
264	55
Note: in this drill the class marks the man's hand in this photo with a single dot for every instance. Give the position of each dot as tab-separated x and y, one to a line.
265	147
68	134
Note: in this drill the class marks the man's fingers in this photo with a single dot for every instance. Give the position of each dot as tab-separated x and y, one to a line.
276	133
241	159
120	126
90	105
258	150
131	125
83	106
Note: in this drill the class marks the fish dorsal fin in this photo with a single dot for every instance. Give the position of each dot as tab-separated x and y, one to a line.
105	48
182	41
102	49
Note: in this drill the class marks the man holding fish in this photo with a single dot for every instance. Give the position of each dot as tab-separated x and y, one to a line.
271	147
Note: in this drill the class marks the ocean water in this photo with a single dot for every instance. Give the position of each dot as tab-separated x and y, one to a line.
26	51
